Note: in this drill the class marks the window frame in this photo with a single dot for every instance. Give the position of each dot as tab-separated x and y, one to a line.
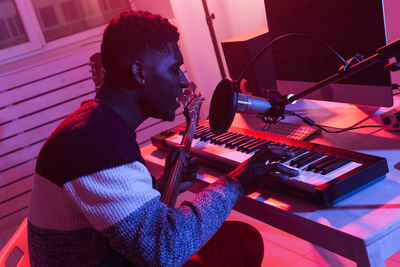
36	43
32	30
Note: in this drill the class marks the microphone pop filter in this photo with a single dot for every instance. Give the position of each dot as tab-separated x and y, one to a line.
223	106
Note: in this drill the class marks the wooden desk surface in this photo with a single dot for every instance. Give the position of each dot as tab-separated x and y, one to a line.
364	227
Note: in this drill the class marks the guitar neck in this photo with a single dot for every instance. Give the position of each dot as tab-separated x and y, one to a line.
171	191
188	136
191	111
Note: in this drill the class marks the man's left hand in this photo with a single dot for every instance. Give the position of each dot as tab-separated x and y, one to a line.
189	171
189	174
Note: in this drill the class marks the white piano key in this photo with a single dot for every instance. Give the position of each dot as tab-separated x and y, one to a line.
309	180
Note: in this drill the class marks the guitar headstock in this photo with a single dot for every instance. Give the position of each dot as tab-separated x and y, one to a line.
97	70
191	100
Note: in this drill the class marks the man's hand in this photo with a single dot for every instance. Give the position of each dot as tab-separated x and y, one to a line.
255	172
189	172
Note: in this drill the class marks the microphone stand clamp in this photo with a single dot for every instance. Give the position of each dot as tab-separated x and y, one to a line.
277	110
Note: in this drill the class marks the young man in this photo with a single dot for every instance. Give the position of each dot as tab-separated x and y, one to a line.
94	201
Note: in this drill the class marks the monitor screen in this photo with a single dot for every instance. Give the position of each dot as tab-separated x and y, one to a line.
348	26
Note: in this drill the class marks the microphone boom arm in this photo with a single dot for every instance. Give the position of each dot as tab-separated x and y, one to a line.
383	53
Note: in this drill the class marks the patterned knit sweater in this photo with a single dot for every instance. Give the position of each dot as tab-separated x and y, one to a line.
93	196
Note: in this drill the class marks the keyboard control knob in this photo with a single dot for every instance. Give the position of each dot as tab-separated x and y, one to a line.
386	121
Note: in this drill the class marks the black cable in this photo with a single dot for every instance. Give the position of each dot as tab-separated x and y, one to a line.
286	36
347	129
312	123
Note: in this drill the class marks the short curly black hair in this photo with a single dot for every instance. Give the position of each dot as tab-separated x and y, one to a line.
129	35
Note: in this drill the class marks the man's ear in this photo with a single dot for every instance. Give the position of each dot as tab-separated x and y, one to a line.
138	72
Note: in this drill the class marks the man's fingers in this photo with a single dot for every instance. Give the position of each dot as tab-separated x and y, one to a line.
191	161
272	154
191	167
185	186
282	169
173	155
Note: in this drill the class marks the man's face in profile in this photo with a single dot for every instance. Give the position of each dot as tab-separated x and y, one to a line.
164	83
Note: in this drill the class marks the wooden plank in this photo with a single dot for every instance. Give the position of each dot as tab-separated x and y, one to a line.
15	204
18	172
40	118
20	156
27	138
12	220
14	189
42	87
47	67
37	104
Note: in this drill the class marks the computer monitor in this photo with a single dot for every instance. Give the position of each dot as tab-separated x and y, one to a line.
350	27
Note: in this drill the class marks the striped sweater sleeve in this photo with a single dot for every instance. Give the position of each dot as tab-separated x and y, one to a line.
121	203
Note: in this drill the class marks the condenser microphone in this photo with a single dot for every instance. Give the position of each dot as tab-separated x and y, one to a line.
226	101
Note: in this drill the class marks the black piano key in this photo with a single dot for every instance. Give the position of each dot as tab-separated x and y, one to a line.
259	146
252	147
231	138
209	136
223	139
235	139
291	149
328	163
206	136
279	144
243	146
285	146
202	133
217	137
200	127
230	135
212	138
247	141
240	141
319	162
309	159
201	130
304	156
299	152
335	166
296	149
246	148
